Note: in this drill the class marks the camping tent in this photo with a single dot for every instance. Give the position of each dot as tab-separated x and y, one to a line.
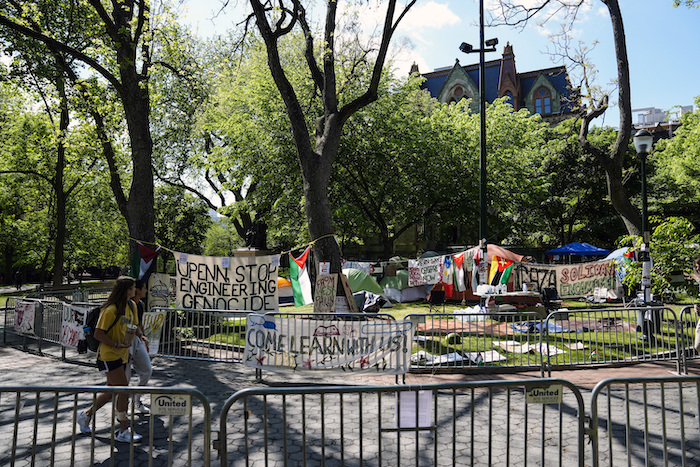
578	249
396	288
360	280
284	292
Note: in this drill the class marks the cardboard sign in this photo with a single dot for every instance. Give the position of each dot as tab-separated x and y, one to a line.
324	299
328	300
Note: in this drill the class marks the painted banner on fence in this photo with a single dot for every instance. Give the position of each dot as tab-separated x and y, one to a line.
274	343
152	327
223	283
72	324
24	317
570	280
425	271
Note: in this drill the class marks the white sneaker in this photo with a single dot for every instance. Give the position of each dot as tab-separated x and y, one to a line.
142	408
127	435
84	423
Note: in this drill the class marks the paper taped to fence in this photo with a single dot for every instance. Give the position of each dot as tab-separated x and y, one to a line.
72	323
24	317
274	343
222	283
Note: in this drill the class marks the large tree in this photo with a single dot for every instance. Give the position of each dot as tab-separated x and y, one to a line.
317	145
611	159
120	52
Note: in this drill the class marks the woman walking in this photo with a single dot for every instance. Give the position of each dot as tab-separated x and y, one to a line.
117	324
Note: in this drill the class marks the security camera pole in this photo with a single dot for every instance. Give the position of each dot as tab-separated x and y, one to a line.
467	48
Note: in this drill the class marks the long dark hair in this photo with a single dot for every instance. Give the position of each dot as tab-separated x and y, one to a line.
119	295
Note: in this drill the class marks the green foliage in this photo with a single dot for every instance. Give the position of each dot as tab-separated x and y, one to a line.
675	170
181	220
673	247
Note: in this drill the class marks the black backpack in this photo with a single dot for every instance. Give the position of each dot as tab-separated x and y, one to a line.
89	329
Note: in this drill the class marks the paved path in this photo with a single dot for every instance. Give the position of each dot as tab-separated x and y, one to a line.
481	440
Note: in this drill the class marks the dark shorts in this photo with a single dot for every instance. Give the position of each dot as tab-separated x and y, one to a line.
105	367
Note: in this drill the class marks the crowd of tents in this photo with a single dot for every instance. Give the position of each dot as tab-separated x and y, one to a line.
393	283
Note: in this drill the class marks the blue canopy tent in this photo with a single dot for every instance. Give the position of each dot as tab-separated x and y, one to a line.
578	249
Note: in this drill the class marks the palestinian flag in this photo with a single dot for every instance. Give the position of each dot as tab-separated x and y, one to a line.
500	270
301	283
143	261
475	271
458	279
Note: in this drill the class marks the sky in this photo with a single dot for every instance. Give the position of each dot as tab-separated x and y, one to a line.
662	43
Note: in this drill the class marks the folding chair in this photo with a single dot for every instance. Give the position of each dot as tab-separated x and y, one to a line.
437	298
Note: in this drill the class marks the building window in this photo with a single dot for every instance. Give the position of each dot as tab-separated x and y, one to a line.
509	98
543	101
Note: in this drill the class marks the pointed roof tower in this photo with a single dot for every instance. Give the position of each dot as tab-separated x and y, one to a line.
508	82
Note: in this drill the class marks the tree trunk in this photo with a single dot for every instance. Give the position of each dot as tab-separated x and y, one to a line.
59	192
140	210
613	165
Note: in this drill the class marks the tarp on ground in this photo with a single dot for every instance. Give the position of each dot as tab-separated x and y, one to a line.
360	280
396	288
578	249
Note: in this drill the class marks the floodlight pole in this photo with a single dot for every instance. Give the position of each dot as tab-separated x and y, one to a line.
643	141
466	48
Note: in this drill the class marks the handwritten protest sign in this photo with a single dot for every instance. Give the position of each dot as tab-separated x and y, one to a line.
324	299
425	271
275	343
72	323
570	280
244	283
152	328
24	317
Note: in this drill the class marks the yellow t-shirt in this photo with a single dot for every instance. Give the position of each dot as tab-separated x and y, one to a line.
117	333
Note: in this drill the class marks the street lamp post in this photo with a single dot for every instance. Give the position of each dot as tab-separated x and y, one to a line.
467	48
643	141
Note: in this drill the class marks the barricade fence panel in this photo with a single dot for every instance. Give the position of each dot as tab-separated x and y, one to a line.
687	323
479	423
614	335
212	335
646	421
445	342
459	341
39	426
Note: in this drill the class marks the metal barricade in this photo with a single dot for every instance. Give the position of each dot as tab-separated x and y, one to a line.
475	423
593	337
687	322
459	341
646	421
213	335
38	426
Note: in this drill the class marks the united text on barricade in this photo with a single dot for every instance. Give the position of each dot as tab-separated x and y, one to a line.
328	342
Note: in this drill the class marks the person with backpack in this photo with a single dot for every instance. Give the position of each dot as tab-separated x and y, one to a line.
140	361
116	314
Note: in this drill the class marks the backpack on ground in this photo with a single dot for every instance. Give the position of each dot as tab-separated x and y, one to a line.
89	329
